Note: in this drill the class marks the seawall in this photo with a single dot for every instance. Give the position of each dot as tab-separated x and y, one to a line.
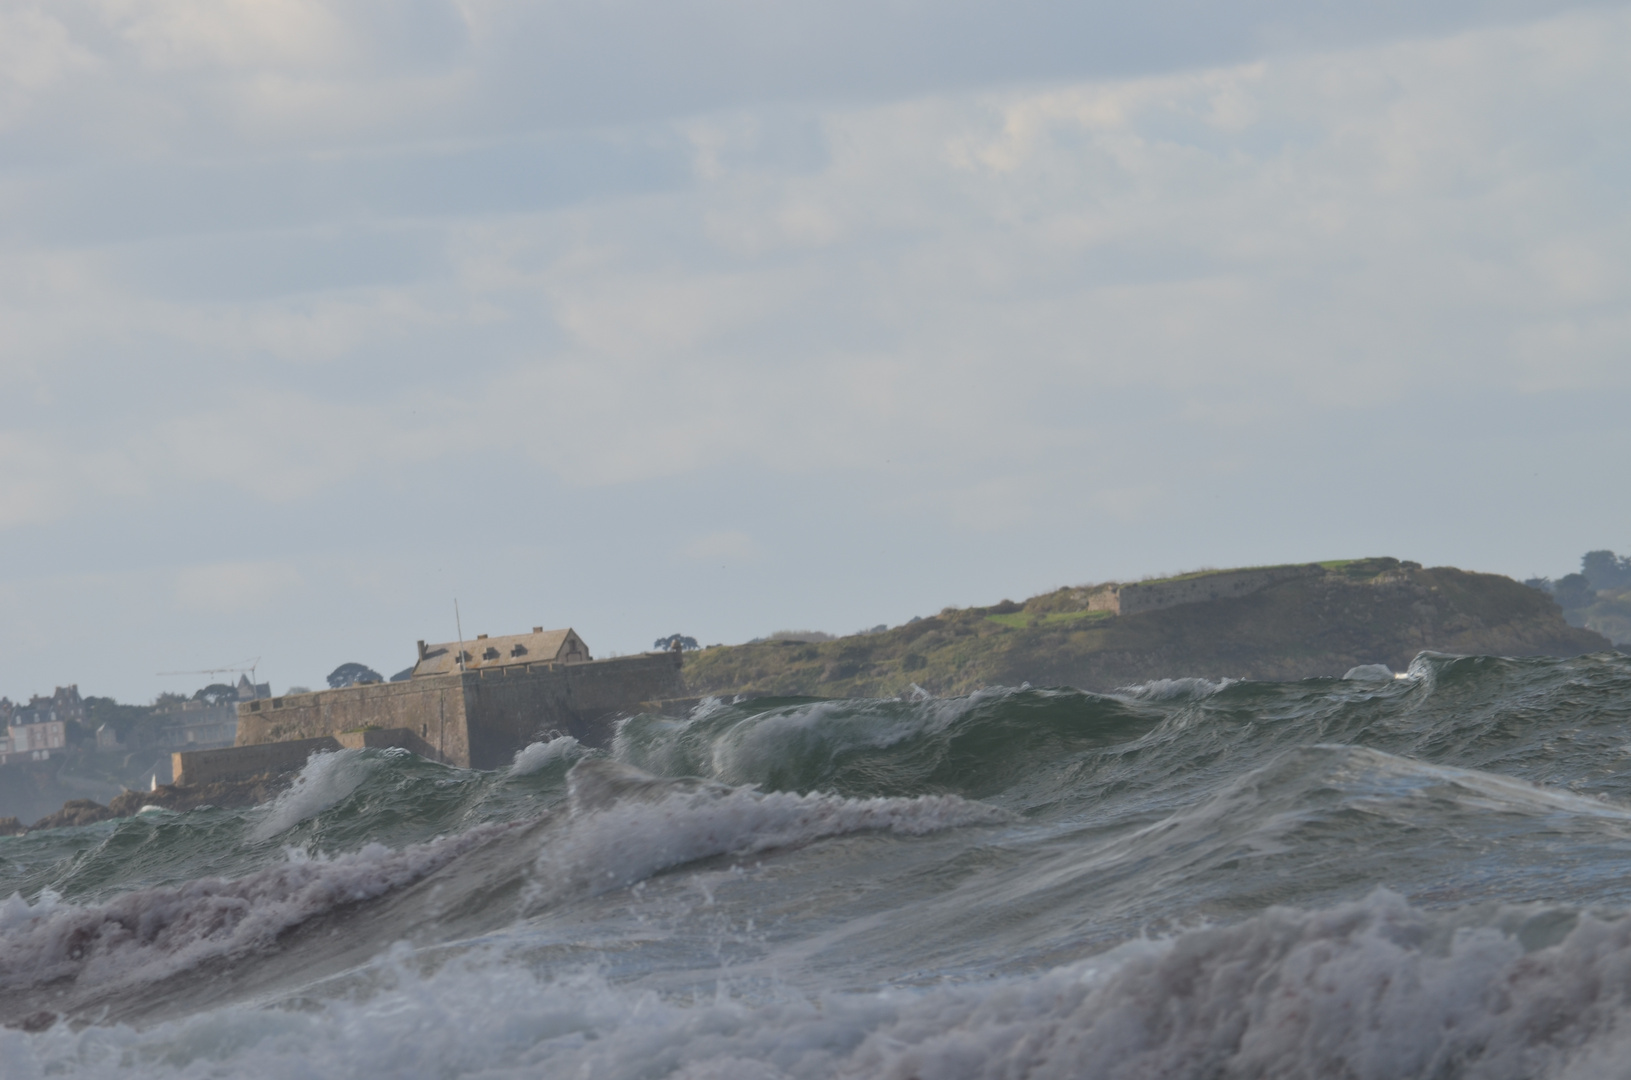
194	767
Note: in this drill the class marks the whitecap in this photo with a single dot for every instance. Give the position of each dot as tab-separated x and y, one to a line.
1371	990
539	755
326	779
627	825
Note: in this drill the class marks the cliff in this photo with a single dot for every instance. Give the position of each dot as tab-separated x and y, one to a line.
1267	623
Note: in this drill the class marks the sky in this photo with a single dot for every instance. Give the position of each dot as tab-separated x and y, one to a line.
718	317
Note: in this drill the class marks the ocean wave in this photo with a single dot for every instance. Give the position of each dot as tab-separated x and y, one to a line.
535	757
1371	990
325	780
976	745
145	935
1184	689
627	825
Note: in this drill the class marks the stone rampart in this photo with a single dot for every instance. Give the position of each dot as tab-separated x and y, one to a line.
237	762
432	708
474	719
385	739
1223	585
508	711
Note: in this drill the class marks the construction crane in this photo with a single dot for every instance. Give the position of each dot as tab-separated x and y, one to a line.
247	665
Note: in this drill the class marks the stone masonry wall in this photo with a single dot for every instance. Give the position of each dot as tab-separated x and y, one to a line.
508	711
193	767
1154	595
474	719
432	708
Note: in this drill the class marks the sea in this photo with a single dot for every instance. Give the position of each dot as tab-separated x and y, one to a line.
1423	873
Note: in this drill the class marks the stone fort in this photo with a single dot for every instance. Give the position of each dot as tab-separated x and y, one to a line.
472	704
1194	588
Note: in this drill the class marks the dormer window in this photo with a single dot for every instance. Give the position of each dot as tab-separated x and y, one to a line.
489	653
518	649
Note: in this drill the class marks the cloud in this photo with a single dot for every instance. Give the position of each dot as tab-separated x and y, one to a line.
206	76
728	546
31	488
398	296
229	588
996	279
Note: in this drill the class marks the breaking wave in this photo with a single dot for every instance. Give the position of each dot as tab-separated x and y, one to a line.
1372	876
1373	990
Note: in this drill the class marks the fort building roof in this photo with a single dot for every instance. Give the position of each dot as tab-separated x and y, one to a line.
539	647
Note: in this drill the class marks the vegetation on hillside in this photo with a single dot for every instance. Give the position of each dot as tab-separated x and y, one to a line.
1360	611
1598	597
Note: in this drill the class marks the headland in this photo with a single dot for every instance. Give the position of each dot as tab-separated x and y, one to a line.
1271	623
473	704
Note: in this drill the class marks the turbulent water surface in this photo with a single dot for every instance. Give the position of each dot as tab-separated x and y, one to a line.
1421	874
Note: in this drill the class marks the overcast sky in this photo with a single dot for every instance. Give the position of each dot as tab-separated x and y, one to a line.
722	317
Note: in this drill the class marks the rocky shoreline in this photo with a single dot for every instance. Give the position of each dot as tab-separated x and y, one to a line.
228	794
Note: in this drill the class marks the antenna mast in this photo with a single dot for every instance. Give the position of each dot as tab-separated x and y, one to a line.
460	628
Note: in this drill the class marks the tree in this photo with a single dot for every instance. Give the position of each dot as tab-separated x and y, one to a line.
1605	570
1573	591
121	718
352	674
216	694
669	642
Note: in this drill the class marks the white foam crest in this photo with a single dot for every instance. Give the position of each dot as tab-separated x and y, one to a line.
1369	673
1372	990
1174	689
636	825
327	778
148	934
539	755
751	749
707	707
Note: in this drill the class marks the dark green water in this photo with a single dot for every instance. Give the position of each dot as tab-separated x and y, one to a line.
1375	876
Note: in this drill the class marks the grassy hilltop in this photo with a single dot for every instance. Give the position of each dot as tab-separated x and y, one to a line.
1361	611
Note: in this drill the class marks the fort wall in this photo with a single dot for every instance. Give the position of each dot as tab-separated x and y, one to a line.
473	719
432	708
1226	584
236	762
508	710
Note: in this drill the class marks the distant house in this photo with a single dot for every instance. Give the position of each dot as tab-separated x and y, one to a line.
539	647
248	691
41	726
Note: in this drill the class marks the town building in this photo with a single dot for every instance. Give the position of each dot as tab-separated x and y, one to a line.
35	730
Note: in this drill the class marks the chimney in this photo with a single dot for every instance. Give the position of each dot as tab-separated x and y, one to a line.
421	650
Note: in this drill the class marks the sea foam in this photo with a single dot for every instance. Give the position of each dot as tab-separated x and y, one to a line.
627	825
326	779
535	757
144	935
1370	990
